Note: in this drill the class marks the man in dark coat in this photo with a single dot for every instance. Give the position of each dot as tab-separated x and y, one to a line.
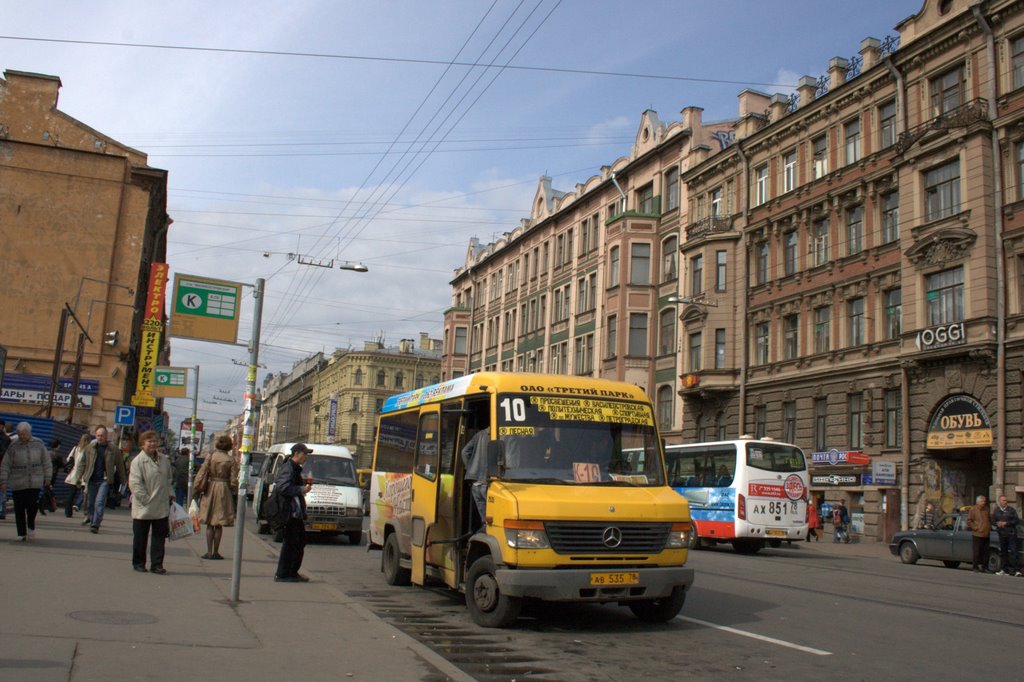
1005	520
293	488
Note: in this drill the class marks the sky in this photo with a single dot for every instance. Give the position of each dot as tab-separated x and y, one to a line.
390	132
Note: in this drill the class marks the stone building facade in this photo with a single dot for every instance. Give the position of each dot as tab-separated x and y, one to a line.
82	217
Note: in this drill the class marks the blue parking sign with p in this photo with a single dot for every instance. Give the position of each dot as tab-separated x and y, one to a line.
124	415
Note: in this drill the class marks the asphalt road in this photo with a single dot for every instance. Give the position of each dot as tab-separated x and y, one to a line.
802	612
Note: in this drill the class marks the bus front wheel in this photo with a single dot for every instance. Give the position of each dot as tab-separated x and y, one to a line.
390	563
659	610
488	607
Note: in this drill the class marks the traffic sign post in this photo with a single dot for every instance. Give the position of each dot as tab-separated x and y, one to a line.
124	415
205	309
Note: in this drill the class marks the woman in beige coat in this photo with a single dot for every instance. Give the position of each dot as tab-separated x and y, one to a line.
217	507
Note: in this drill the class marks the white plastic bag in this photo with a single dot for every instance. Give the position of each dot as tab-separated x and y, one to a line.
181	524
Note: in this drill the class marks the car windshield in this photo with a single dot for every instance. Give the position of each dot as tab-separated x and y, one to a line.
330	470
574	440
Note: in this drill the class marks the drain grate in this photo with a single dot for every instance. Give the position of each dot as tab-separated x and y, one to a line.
114	617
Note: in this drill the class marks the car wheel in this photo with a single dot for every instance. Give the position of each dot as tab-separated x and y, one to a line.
951	564
659	610
487	605
908	553
390	563
994	562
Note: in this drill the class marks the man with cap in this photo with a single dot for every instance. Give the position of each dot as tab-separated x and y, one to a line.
293	488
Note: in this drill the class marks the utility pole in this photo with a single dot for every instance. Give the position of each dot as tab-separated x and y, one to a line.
247	438
195	418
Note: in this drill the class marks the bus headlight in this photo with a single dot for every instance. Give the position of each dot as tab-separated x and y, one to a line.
679	536
526	535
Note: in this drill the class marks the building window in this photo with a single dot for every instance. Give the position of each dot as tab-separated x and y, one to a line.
703	428
716	202
761	343
947	91
790	242
760	421
637	334
887	124
560	358
545	257
672	189
760	185
893	418
855	419
890	217
645	199
399	380
791	336
789	171
820	231
720	425
640	264
378	404
854	230
358	378
612	336
665	407
893	313
945	296
820	424
697	275
667	332
355	403
942	191
381	379
582	296
822	322
789	422
851	138
695	348
856	309
719	349
584	354
819	156
761	263
720	270
460	341
669	259
613	267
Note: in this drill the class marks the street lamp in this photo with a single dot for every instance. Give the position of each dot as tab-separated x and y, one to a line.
354	267
692	300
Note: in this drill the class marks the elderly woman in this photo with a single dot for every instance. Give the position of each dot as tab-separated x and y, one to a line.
25	468
217	507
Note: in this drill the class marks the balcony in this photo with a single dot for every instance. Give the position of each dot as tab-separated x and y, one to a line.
964	115
708	383
710	225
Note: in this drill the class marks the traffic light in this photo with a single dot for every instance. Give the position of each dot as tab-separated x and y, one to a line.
110	338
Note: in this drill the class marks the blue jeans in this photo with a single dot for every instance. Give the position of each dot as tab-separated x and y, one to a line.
97	501
180	493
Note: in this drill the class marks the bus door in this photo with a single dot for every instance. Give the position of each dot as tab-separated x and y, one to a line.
442	551
425	479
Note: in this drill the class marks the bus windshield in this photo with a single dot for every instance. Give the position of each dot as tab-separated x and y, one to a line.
576	440
330	470
775	457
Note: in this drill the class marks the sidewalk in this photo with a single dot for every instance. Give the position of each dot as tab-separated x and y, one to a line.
72	608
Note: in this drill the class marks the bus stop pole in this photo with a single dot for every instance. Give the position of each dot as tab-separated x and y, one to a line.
248	434
195	417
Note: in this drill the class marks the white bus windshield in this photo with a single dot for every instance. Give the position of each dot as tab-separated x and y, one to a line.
578	440
330	470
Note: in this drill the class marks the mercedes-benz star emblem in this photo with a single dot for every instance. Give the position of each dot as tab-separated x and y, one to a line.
612	537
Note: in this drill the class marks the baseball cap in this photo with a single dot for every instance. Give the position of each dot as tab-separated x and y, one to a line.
301	447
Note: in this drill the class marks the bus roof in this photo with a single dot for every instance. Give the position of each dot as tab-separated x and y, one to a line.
514	382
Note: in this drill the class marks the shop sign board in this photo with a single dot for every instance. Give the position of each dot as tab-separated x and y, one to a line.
883	473
959	422
941	336
170	382
836	457
835	479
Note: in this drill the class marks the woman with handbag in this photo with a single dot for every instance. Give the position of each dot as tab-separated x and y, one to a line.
74	499
217	507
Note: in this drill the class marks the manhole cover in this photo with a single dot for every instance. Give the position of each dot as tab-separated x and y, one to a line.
114	617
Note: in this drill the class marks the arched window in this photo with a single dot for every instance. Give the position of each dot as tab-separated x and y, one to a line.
399	379
352	435
436	379
419	380
380	378
359	377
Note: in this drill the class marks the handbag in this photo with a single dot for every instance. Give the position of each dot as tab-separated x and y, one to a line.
181	524
201	481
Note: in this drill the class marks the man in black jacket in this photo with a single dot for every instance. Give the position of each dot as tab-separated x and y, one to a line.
293	488
1005	520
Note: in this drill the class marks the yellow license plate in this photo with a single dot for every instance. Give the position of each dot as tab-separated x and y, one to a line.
612	579
776	533
325	526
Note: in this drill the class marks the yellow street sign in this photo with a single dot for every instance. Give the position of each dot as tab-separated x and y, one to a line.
205	309
170	382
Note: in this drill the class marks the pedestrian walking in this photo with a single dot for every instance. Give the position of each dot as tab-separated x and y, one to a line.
813	521
979	520
100	468
181	477
5	442
152	484
840	523
293	488
217	507
76	496
25	467
46	491
1006	520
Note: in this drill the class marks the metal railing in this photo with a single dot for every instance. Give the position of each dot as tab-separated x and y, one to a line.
962	116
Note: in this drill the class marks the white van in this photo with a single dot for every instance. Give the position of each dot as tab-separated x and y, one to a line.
334	505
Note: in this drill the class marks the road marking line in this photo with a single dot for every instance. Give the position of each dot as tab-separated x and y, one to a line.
763	638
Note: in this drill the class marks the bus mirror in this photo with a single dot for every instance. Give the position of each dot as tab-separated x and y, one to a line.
495	458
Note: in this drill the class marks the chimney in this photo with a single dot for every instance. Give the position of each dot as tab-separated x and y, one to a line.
752	102
779	107
424	341
692	118
405	346
870	51
837	72
806	87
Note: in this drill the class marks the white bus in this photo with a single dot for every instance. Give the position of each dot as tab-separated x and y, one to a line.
747	492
